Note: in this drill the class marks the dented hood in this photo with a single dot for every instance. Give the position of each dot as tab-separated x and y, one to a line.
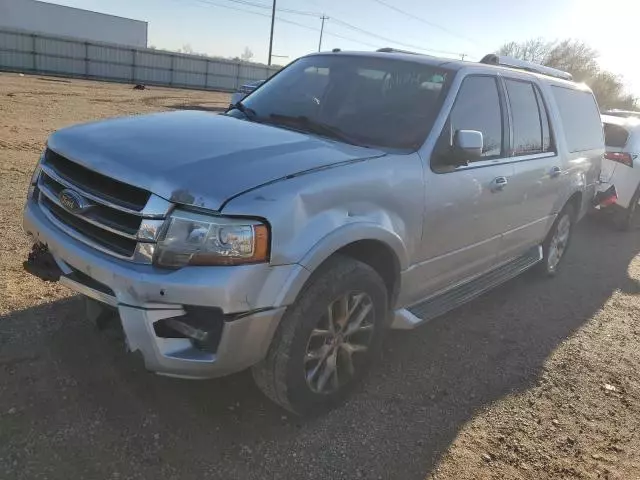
198	158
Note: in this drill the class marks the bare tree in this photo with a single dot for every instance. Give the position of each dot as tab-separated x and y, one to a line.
535	50
579	59
247	55
186	48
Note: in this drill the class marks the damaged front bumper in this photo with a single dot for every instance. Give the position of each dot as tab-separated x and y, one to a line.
195	322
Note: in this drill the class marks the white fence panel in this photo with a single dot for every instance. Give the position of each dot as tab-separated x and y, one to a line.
154	60
63	48
16	41
48	54
99	53
68	66
190	65
152	75
16	60
111	71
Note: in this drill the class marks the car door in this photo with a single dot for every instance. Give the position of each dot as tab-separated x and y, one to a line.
465	206
538	170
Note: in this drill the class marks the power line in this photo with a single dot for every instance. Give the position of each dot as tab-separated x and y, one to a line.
284	20
319	16
386	39
420	19
280	9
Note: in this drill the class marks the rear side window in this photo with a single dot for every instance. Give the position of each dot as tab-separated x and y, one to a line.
527	119
547	140
580	118
477	107
615	135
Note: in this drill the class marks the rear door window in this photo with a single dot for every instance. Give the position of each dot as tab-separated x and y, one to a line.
477	107
526	118
615	136
580	118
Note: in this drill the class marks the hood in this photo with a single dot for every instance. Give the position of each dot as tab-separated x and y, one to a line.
198	158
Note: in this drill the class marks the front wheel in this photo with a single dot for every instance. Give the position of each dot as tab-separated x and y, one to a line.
557	242
327	339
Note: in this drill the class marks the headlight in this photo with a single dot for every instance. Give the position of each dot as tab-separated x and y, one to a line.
191	238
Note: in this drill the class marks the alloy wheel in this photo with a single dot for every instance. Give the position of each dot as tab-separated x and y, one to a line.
341	337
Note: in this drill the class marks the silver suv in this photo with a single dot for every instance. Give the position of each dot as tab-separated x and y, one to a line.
350	193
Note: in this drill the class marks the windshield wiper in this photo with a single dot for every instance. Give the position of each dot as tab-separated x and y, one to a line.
305	124
250	113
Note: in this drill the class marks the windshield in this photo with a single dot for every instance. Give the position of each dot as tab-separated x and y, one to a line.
378	102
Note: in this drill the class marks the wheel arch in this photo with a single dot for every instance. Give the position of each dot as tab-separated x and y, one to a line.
379	248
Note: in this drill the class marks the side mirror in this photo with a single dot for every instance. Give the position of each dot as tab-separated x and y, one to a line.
467	145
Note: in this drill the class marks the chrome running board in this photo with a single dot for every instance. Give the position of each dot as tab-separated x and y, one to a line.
441	303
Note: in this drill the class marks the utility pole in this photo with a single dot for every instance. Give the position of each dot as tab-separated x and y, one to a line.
273	20
323	18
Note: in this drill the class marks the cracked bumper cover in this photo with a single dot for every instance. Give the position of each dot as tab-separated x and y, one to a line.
144	295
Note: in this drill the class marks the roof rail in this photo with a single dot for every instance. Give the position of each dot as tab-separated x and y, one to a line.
395	50
510	62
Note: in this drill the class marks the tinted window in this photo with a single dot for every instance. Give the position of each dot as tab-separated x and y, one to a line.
580	119
547	141
527	128
477	107
615	135
379	102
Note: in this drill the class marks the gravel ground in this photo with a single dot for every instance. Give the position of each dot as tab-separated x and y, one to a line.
537	379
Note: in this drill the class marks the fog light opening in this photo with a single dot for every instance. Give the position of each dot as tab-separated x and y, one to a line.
201	325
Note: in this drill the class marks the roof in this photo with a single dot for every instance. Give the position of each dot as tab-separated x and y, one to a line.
452	64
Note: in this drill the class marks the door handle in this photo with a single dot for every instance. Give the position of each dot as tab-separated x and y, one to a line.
555	172
498	184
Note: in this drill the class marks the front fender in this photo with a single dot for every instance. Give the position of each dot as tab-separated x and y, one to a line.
351	233
313	216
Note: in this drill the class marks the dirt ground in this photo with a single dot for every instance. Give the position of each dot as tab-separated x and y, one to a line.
537	379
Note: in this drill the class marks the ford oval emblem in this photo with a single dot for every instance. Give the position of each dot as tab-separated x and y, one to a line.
73	201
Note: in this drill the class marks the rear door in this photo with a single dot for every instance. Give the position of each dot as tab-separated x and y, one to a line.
538	169
465	207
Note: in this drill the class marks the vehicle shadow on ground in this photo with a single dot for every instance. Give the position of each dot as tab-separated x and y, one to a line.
85	391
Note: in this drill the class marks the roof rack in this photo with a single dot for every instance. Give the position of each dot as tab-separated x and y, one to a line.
510	62
395	50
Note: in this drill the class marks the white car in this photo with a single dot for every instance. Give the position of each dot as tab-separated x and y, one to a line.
621	167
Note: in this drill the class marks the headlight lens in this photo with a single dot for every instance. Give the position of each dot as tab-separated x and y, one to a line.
191	238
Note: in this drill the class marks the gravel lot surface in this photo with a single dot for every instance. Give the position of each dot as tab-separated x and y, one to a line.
537	379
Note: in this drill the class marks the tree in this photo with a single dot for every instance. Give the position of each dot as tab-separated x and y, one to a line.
186	48
247	55
579	59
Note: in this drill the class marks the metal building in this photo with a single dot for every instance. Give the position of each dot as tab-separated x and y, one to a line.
52	19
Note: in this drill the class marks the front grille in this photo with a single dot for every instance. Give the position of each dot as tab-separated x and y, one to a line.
117	215
120	245
112	190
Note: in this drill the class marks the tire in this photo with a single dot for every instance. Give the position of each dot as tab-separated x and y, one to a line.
628	219
561	231
293	374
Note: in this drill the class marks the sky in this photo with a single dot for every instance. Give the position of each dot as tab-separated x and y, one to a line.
447	28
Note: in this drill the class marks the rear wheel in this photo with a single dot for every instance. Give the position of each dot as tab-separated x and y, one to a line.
557	242
327	339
